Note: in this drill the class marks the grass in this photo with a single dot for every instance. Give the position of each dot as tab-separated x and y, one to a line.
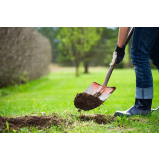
56	92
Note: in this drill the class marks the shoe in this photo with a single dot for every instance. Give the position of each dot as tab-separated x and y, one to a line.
141	107
157	109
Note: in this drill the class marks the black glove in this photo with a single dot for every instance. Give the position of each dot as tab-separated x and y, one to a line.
120	54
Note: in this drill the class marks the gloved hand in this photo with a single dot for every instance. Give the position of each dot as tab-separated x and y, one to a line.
120	54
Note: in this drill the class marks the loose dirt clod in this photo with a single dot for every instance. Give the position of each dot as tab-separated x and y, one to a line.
86	101
98	118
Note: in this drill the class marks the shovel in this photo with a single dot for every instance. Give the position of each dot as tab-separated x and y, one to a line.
98	93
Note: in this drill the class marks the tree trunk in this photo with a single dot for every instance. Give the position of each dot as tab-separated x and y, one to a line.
86	67
76	58
77	65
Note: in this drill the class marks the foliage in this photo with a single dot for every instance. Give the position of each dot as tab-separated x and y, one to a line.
99	54
76	42
24	55
51	33
102	53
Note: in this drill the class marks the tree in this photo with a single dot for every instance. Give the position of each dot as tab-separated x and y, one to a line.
76	42
102	52
89	54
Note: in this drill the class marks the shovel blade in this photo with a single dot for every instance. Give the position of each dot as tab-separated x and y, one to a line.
95	87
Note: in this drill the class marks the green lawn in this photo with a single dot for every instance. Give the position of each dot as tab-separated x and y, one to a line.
55	93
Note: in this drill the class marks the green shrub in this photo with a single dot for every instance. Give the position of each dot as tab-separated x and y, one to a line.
24	55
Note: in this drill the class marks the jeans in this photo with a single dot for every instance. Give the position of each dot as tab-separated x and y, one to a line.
145	46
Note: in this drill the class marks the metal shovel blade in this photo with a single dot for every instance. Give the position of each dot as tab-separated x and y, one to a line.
106	92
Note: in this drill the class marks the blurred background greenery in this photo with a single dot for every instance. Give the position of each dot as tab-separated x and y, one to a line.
26	52
84	46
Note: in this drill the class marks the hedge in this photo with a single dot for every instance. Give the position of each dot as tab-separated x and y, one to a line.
24	55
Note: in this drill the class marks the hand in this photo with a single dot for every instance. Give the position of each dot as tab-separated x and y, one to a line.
120	54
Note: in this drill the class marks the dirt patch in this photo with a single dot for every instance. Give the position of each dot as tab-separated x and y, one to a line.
86	101
54	119
98	118
37	121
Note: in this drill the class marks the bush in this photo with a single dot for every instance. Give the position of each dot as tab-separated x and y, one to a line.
24	55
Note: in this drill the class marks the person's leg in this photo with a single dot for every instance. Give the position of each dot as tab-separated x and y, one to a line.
155	54
144	40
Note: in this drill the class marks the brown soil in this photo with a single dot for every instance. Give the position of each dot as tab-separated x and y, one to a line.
86	101
38	121
47	121
98	118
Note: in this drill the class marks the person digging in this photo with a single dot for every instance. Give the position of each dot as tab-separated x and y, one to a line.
145	46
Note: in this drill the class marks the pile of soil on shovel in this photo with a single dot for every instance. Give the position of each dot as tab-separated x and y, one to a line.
86	101
37	121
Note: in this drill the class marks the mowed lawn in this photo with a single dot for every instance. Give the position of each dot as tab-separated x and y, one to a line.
55	93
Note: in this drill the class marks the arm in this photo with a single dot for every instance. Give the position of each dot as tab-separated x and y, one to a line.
123	32
119	52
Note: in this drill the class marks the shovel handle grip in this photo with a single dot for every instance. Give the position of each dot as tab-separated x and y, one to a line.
112	67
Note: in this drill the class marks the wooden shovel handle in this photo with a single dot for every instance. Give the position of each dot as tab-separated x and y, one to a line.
129	36
112	67
108	75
